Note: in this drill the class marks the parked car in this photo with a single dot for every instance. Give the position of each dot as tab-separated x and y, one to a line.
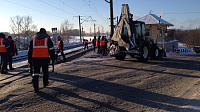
197	49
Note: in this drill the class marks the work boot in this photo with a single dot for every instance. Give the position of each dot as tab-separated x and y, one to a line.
3	72
45	81
6	69
46	84
12	68
35	83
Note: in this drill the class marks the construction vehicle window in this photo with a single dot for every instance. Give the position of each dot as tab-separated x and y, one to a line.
143	30
125	30
137	29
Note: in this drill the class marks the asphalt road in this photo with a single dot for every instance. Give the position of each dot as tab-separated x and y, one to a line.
101	83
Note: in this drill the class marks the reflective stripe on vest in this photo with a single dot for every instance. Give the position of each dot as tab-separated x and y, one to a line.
2	46
102	43
40	48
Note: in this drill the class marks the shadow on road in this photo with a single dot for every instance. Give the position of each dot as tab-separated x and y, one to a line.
126	93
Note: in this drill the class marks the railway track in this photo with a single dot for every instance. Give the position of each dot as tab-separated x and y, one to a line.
67	50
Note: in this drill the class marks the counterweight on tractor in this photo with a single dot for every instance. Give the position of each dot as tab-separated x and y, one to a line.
129	38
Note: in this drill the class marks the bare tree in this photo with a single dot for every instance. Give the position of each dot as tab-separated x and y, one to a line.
16	27
22	26
27	23
190	37
65	29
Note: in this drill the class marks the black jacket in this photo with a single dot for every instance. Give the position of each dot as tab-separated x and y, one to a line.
13	47
50	49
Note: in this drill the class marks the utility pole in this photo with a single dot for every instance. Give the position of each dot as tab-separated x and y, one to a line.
111	17
94	30
82	30
79	17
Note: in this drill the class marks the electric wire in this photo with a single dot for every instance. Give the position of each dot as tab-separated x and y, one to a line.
56	7
95	11
180	13
33	9
72	7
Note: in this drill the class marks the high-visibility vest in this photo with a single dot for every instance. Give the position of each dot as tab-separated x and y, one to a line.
40	48
97	43
102	42
85	41
2	46
14	48
59	46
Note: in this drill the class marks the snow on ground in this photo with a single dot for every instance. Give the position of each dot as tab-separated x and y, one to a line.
183	50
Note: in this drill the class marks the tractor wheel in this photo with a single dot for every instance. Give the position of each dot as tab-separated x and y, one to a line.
154	52
144	53
121	55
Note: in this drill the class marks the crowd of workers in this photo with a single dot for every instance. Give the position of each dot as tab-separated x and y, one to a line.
7	51
41	52
101	44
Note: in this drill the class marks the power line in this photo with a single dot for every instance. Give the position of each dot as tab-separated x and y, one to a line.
71	7
32	9
180	13
97	12
56	7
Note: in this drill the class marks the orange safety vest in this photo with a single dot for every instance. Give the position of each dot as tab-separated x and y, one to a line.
59	46
2	46
102	43
40	48
97	43
85	41
14	48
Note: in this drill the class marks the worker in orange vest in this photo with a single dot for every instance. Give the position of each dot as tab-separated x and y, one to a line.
4	52
40	48
60	48
85	42
98	44
103	45
94	42
14	52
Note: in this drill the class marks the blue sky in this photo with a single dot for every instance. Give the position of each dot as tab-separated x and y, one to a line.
183	14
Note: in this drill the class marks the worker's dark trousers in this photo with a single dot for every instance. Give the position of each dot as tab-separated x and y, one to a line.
86	46
98	49
63	55
94	48
4	61
10	62
37	66
103	48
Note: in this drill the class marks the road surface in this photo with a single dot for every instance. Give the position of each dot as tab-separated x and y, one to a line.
100	83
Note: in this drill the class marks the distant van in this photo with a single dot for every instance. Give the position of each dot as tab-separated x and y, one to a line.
196	49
